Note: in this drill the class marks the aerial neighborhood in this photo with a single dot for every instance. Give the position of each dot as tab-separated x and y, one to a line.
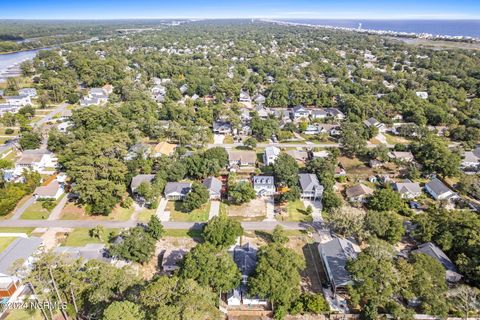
241	169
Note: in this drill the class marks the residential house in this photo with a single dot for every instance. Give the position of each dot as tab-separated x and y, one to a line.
136	151
31	92
259	99
214	187
139	179
222	127
422	95
402	156
320	154
244	97
283	115
18	100
311	188
335	113
171	259
471	159
270	79
95	96
300	155
358	193
4	108
408	189
435	252
241	158
177	190
318	114
262	112
90	251
183	88
63	127
35	160
335	254
163	149
372	122
65	115
270	154
439	191
52	191
311	129
246	259
299	113
23	250
264	185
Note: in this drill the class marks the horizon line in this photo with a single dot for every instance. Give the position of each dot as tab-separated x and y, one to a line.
239	18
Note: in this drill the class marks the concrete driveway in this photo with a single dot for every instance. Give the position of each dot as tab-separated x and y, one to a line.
20	210
161	213
214	209
270	208
57	211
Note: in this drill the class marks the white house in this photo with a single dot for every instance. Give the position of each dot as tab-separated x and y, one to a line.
270	154
264	185
21	249
36	160
299	112
171	260
51	191
18	100
439	191
408	189
422	95
244	97
177	190
4	108
311	188
31	92
214	187
471	159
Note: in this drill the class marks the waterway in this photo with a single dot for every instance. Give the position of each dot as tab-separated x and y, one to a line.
10	63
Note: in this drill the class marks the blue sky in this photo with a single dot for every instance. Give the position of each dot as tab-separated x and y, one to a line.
321	9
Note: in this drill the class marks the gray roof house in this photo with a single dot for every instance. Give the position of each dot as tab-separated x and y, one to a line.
242	158
264	185
372	122
222	127
171	259
20	250
358	193
299	112
90	251
270	154
404	156
177	190
139	179
245	258
408	189
471	159
435	252
311	188
439	191
214	187
334	255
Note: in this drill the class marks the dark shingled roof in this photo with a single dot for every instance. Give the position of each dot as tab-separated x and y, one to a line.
435	252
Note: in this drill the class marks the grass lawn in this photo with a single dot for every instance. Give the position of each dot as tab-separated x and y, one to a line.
24	314
145	214
391	139
35	212
16	230
5	242
296	212
197	215
228	139
73	212
81	236
183	233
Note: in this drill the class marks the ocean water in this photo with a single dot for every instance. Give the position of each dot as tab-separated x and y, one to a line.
469	28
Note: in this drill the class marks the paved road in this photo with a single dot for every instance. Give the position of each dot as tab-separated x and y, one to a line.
51	114
20	210
291	145
260	225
